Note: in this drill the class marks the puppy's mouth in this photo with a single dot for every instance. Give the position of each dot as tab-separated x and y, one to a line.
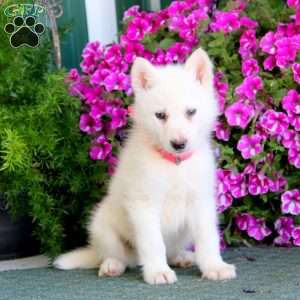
178	151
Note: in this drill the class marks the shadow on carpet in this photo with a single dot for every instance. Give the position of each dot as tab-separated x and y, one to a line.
263	273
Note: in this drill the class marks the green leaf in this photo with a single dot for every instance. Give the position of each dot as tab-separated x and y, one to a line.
264	198
152	46
166	43
13	152
278	95
218	42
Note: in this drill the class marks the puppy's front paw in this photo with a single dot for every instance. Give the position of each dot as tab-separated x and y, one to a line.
222	271
111	267
166	276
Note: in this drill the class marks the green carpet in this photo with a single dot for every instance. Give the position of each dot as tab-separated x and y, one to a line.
263	273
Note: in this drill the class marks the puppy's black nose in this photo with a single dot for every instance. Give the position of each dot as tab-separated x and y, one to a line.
178	144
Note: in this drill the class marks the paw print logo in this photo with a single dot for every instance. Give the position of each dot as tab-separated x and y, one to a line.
24	31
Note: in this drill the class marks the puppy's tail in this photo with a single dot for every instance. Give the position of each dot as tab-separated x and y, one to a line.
82	258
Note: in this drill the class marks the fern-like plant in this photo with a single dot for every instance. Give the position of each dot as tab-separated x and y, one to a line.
45	171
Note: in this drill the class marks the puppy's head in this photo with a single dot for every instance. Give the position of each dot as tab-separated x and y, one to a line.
175	105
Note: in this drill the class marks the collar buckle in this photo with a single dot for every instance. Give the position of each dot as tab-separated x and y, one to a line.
178	160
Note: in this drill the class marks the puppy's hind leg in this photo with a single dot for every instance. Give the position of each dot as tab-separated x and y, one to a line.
114	259
116	255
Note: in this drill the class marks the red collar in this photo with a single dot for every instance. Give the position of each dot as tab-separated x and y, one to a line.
174	158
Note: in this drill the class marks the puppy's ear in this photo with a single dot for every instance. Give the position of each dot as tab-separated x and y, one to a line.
143	74
201	66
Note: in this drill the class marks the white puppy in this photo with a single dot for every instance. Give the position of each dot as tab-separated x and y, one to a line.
162	196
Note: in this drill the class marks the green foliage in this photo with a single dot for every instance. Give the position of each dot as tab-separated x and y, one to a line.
45	171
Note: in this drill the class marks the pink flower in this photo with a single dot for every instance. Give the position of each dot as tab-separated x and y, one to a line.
286	51
224	201
248	23
284	227
242	220
269	63
274	122
223	185
250	67
297	18
73	76
116	81
98	76
100	149
157	19
289	138
239	114
137	28
294	155
296	236
249	87
89	124
257	229
186	26
290	202
133	50
113	57
91	95
177	8
250	168
262	132
291	102
237	185
225	21
248	44
295	121
278	183
267	43
293	3
178	52
250	145
133	11
177	23
222	131
232	182
296	72
118	117
99	109
258	184
286	30
92	54
280	241
221	89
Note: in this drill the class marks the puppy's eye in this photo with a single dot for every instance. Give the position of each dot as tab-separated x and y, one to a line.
191	112
161	116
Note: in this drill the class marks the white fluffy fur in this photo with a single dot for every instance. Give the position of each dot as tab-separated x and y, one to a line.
154	208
